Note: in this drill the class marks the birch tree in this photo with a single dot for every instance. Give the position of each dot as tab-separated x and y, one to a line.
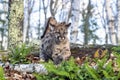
28	7
111	23
39	28
65	13
5	31
25	20
75	7
118	8
15	30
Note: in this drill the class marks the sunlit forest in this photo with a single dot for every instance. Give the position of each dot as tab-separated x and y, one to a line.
91	51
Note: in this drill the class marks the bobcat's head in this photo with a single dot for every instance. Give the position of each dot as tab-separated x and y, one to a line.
60	31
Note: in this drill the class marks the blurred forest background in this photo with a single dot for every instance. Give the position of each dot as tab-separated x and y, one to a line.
93	21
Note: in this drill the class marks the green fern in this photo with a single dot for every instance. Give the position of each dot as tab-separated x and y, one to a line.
19	53
68	70
116	49
92	72
2	77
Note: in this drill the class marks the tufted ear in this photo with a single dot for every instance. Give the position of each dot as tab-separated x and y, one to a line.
67	25
52	21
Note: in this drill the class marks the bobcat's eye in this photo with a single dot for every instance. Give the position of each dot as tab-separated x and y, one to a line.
56	54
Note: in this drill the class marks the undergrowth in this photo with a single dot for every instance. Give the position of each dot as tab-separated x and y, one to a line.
2	77
106	68
103	69
18	54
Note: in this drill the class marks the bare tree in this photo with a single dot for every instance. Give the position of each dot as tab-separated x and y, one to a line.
86	24
111	22
53	7
27	18
118	8
65	11
39	21
4	22
75	19
104	22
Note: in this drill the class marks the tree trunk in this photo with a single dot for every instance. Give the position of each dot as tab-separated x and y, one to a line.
111	23
45	10
65	12
53	7
75	20
118	8
86	24
104	22
39	25
25	20
27	12
15	29
4	23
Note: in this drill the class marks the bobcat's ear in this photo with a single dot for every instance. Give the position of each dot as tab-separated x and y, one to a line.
67	25
52	21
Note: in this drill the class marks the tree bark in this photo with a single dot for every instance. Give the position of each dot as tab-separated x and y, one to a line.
53	9
39	25
25	20
15	30
4	23
86	24
118	8
75	20
111	23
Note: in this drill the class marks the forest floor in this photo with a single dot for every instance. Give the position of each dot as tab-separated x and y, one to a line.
79	53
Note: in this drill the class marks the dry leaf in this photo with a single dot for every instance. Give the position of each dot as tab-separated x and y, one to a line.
100	53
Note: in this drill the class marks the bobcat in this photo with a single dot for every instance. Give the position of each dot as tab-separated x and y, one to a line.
52	21
55	44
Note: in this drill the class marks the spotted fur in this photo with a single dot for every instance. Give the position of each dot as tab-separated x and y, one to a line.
55	44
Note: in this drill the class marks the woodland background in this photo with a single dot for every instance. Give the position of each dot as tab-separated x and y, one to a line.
93	21
95	27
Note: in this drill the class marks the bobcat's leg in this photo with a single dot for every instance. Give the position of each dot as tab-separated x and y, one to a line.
57	58
66	53
42	57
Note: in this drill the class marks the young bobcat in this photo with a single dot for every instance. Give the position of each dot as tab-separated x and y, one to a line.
51	21
55	44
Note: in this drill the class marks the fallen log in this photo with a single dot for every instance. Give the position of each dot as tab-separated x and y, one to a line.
30	68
